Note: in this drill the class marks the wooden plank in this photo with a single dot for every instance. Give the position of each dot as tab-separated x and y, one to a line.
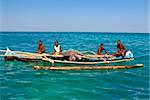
87	67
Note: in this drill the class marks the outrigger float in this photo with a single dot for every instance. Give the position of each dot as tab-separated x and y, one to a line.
83	60
86	67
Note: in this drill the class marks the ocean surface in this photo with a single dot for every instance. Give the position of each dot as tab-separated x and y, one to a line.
19	81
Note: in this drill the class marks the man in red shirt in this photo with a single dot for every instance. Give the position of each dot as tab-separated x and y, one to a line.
41	47
121	49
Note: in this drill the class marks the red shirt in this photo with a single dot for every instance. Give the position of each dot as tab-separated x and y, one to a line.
121	47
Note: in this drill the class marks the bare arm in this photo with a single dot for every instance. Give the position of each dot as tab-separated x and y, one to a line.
106	51
38	50
60	49
124	47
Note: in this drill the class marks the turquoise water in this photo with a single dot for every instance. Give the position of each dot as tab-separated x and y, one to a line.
19	81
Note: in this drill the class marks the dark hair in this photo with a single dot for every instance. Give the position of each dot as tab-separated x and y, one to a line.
40	41
102	44
56	42
119	41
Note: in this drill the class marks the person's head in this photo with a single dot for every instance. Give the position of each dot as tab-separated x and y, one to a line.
56	43
118	41
40	42
102	45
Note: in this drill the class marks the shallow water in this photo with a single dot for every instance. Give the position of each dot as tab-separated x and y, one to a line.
19	80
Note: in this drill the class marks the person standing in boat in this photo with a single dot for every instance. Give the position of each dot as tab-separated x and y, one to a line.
57	48
41	47
121	49
101	49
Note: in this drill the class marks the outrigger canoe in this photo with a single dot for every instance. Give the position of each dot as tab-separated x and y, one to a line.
87	59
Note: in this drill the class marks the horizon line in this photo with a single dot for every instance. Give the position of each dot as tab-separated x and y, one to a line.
76	31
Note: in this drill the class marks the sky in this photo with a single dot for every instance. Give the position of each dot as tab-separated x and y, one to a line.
74	15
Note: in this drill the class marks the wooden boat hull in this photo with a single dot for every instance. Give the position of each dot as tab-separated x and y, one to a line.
33	57
13	58
9	58
86	63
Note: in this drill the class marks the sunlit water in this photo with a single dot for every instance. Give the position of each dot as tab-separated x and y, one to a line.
20	81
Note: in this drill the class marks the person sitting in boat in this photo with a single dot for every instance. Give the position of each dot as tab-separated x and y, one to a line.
121	49
57	48
41	48
101	49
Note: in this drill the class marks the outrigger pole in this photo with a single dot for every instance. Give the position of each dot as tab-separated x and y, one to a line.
49	60
86	67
